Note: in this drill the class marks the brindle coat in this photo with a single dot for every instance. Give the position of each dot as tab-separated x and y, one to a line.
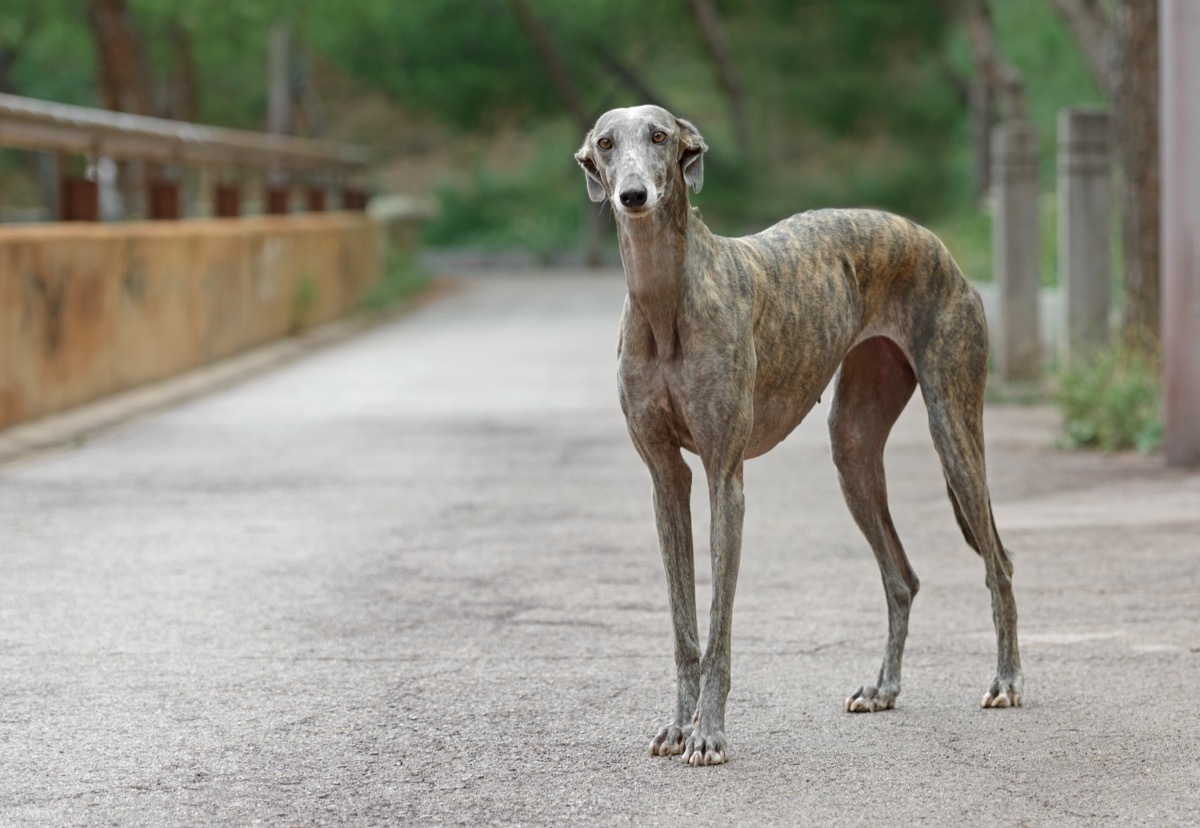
725	345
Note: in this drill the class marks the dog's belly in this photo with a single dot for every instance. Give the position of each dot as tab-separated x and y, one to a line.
774	420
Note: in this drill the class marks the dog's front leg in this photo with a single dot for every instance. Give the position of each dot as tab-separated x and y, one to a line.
706	745
673	514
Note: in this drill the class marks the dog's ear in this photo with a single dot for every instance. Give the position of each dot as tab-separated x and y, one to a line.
590	173
691	154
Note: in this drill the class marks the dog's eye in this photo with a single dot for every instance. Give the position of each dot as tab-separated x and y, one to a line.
658	137
604	143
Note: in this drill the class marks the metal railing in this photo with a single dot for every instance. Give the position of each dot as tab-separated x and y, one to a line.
62	129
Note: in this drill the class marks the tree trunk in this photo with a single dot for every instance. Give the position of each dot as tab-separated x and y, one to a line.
124	83
995	80
1090	23
1123	58
708	19
631	79
1135	104
556	68
568	95
7	58
184	88
279	80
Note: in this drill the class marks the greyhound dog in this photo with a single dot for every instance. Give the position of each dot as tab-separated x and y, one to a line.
726	344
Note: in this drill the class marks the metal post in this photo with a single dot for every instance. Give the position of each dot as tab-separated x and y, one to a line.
1015	248
278	200
79	198
1084	220
227	200
1179	33
164	199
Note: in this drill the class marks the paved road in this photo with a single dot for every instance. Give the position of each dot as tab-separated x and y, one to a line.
412	579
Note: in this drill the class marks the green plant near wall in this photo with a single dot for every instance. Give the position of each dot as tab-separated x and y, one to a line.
402	278
1112	401
304	301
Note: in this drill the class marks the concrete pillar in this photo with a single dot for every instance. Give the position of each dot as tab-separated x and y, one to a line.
49	186
1015	249
1084	222
1179	32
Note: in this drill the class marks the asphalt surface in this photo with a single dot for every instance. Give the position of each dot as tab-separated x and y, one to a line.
412	578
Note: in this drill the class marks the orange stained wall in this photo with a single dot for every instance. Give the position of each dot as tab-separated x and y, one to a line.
87	310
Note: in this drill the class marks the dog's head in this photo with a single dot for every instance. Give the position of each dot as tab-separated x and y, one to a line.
637	156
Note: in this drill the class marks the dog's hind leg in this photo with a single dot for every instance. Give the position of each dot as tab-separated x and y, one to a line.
953	391
958	435
874	384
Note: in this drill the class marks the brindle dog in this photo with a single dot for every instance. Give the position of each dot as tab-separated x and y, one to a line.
725	345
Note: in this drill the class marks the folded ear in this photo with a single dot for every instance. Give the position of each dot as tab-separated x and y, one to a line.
691	154
586	160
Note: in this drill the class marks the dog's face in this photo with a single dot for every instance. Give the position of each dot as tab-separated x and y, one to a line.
636	156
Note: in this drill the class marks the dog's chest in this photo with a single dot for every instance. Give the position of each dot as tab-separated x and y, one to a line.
654	396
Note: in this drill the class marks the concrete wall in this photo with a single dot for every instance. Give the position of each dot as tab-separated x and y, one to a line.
91	309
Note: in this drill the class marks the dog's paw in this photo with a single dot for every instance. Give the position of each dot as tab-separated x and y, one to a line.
1004	693
670	741
705	748
870	700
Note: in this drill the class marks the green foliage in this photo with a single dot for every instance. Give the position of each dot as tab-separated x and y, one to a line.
968	235
536	208
402	278
850	103
1112	402
304	300
230	49
1030	34
469	61
853	68
455	58
52	49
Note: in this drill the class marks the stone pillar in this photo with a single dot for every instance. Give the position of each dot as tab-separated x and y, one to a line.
49	187
1084	221
1015	249
1179	32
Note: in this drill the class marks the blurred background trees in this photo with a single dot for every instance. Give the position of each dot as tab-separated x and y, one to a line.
804	103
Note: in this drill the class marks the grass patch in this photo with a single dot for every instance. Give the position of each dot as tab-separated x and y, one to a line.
1112	402
402	278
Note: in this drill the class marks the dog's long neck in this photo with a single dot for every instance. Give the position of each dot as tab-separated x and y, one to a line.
655	250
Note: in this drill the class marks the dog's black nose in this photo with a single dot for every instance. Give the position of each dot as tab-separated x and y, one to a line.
633	198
